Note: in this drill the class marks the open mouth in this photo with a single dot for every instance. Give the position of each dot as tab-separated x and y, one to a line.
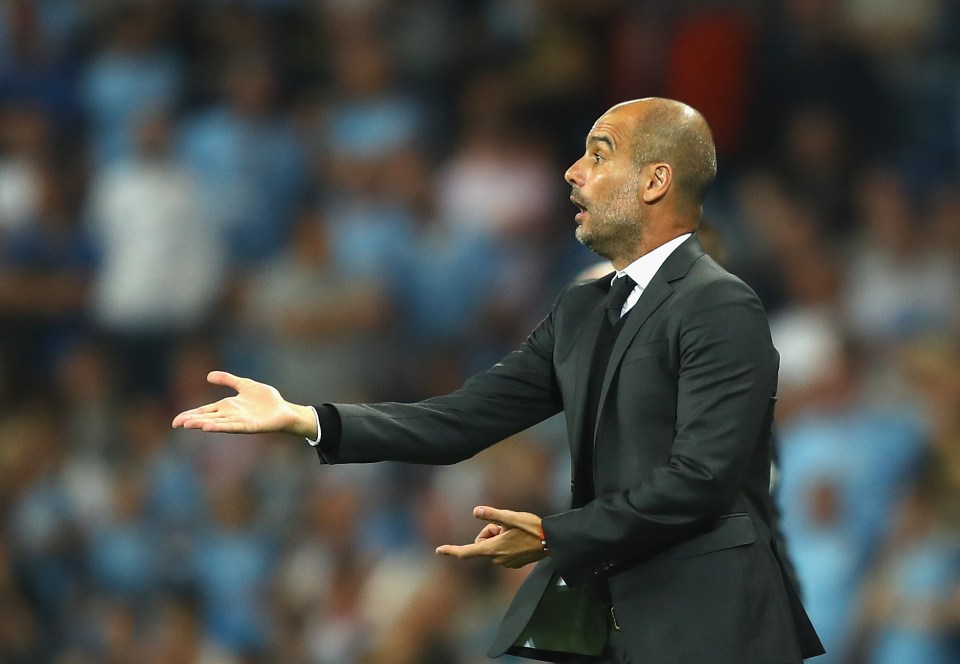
580	206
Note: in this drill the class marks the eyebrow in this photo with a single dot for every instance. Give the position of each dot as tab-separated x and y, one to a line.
600	138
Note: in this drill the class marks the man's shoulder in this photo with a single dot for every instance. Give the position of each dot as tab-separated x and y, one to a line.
707	278
584	292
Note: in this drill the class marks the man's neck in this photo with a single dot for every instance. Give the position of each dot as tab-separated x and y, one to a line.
648	244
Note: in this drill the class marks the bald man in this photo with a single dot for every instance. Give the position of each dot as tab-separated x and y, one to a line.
667	377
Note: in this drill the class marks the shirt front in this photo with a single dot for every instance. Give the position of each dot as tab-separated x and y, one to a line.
643	269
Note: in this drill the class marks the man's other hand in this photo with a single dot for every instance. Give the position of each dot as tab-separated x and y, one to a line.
256	408
511	539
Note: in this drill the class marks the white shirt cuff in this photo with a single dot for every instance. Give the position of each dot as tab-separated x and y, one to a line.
316	416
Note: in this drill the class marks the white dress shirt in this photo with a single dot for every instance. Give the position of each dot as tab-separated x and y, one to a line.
643	269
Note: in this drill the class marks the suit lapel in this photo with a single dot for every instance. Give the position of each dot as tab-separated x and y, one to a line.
585	354
652	297
656	292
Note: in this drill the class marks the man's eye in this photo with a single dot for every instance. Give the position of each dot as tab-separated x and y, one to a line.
597	158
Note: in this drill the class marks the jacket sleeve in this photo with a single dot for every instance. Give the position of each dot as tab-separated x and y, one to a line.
518	392
727	376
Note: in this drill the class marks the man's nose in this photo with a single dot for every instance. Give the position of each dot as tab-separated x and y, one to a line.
574	174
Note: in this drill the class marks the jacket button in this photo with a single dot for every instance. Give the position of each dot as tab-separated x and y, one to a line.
602	567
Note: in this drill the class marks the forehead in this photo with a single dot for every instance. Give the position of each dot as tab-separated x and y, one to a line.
614	125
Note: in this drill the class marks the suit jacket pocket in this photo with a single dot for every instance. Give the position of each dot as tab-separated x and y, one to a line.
729	531
651	349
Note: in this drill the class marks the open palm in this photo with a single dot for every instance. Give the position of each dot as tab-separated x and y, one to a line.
256	408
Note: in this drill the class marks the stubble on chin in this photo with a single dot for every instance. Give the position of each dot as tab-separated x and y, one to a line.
590	240
611	239
615	227
583	237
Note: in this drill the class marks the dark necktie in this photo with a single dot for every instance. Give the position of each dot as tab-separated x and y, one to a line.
619	292
613	303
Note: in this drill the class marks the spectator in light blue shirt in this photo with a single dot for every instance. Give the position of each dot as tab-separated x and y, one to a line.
132	73
248	158
234	563
123	549
844	465
909	613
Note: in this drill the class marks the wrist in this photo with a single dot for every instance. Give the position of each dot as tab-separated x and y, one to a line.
543	541
303	422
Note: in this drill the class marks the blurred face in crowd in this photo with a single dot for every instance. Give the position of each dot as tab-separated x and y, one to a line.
606	185
153	135
361	68
251	85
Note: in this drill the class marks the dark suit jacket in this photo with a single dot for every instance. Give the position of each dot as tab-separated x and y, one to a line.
680	530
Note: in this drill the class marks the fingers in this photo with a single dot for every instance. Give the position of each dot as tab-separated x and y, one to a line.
475	550
215	424
224	426
212	417
181	419
215	378
525	521
485	549
511	539
189	420
224	415
187	415
489	530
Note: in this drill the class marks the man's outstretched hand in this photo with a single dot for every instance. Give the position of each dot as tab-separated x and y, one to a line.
511	539
256	408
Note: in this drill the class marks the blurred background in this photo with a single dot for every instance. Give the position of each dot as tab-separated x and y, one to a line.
363	200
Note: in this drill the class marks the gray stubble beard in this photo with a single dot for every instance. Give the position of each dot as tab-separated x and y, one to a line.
617	230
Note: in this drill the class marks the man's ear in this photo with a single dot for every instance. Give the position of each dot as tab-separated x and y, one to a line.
657	178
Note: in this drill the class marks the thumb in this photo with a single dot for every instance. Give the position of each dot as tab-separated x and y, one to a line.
502	517
225	379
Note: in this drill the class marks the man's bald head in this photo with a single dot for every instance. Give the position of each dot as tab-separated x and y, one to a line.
669	131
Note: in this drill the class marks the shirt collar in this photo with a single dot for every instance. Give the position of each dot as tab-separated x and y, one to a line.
643	269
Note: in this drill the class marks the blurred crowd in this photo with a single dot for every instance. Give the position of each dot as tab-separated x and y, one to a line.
363	200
